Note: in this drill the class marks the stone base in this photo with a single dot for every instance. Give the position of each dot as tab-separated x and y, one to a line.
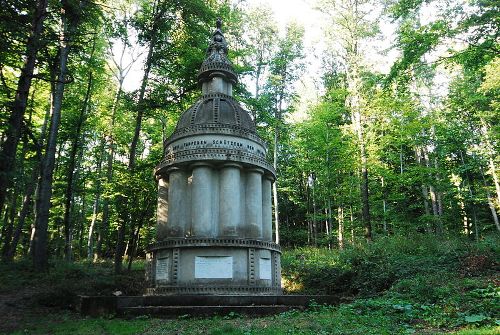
198	305
213	266
213	290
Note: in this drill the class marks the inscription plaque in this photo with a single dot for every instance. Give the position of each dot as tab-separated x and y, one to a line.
265	268
162	268
213	267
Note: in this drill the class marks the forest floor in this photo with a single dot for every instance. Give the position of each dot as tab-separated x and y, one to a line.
401	286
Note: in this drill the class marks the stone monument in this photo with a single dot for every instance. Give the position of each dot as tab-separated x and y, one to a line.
214	228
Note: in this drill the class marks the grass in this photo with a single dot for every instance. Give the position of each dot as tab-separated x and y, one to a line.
401	286
359	318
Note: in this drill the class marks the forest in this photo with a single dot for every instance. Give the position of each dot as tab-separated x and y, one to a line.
90	90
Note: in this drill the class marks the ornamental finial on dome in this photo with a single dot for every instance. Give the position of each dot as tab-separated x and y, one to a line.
217	49
216	61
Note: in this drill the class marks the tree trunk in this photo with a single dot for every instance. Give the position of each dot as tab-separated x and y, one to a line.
340	237
314	221
9	224
364	190
275	166
96	205
120	243
491	163
71	174
352	224
13	132
134	243
23	213
104	229
491	203
40	256
9	231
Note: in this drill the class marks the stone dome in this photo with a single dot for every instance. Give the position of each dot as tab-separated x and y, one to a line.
216	109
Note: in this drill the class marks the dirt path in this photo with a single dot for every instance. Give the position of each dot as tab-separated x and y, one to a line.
17	307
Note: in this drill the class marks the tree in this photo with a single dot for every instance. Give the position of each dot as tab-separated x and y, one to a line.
15	121
351	27
71	15
285	66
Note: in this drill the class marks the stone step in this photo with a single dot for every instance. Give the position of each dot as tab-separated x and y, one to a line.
175	311
105	305
224	300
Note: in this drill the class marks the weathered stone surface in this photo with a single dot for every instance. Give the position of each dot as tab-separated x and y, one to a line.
197	305
214	197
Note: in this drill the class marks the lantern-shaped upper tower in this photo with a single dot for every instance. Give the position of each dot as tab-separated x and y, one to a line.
214	229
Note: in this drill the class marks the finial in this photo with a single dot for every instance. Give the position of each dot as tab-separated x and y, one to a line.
216	61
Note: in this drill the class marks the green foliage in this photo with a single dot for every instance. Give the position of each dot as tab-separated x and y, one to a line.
61	285
416	267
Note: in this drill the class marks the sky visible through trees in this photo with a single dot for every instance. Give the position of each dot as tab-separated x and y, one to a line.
382	117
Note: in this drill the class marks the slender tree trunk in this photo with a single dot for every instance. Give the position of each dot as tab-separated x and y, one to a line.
471	203
13	132
40	256
491	203
315	224
68	250
352	224
491	163
9	231
26	206
433	194
257	89
4	226
134	243
275	201
30	186
364	189
96	205
493	173
275	166
340	237
384	206
104	229
401	160
9	224
37	170
120	243
328	224
425	195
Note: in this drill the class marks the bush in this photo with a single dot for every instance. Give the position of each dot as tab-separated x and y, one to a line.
64	282
414	264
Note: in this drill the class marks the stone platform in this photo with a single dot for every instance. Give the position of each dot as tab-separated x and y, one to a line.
198	305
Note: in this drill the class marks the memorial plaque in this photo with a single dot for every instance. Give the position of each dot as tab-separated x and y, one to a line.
265	268
213	267
162	268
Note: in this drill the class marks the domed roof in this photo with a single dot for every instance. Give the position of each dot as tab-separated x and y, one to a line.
216	109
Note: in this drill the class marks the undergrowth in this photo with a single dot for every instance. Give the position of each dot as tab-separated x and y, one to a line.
414	285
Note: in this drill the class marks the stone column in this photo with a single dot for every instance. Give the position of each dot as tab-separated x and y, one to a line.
201	201
178	206
162	209
253	210
267	211
229	205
